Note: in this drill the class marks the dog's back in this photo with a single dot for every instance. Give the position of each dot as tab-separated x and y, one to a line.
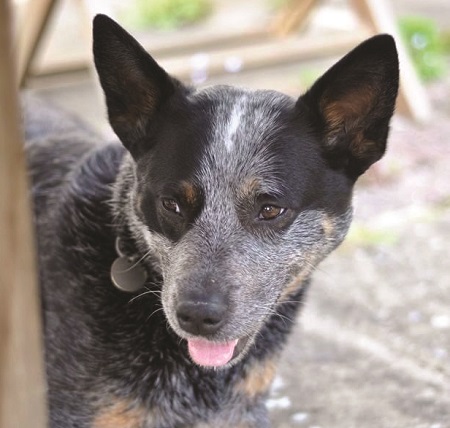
71	175
56	142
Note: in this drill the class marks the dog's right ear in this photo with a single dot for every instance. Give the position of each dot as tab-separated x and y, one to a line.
135	86
352	104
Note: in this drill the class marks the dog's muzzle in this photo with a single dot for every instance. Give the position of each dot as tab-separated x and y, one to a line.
202	315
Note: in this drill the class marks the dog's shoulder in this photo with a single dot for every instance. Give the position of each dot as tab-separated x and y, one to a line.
65	157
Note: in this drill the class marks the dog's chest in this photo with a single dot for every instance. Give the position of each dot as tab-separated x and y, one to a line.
201	402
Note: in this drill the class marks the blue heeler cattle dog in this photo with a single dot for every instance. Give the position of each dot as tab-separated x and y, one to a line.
173	263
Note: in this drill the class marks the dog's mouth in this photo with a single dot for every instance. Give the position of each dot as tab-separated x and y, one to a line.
212	354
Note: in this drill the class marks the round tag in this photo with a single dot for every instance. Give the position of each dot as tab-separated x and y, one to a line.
127	275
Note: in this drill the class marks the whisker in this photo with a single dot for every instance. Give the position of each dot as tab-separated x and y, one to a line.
154	312
156	293
139	295
137	261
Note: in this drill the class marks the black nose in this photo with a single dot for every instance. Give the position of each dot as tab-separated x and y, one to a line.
202	317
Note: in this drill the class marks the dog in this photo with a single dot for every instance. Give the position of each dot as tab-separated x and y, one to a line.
173	262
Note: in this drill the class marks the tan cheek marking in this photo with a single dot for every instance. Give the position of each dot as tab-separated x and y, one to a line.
311	260
190	193
295	285
120	415
328	226
258	380
138	202
249	187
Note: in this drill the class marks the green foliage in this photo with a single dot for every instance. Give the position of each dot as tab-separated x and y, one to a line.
363	235
277	4
446	41
166	14
309	75
425	45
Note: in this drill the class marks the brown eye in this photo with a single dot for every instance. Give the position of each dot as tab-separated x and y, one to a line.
171	205
270	212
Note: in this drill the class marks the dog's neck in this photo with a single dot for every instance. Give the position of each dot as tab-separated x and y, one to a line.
129	241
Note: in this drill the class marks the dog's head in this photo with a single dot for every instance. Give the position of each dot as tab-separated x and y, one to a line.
239	194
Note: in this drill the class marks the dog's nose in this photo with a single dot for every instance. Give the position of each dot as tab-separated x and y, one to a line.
201	317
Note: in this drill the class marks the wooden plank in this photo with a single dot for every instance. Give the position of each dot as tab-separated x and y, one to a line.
172	46
22	386
30	34
289	50
292	16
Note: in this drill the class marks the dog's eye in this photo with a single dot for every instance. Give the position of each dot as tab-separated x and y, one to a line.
270	212
171	205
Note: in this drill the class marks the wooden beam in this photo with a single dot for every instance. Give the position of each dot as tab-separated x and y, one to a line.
292	16
289	50
267	53
22	386
30	34
171	46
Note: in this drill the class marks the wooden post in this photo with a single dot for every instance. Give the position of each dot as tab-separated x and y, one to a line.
22	385
31	31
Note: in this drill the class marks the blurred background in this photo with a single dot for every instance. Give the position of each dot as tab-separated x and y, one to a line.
372	346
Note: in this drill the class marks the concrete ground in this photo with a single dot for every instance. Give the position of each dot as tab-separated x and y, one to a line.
372	345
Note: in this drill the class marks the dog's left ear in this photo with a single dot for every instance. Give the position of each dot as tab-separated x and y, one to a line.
354	102
135	86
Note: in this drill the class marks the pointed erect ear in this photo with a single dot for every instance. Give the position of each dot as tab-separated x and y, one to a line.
135	86
353	102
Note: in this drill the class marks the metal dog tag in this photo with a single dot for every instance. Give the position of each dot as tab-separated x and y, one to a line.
127	275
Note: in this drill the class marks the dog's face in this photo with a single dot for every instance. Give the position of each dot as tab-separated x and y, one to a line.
237	202
239	194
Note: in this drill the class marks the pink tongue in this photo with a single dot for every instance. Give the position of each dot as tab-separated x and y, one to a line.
207	353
